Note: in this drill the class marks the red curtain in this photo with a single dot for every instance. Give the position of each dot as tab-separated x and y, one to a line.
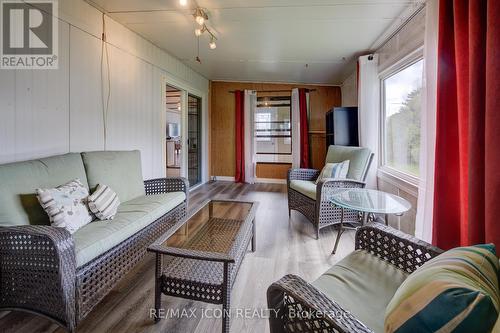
304	130
467	175
239	176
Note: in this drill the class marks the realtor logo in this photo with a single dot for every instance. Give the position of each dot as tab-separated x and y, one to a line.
29	38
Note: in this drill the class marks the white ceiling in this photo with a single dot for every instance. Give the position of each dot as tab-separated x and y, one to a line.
266	40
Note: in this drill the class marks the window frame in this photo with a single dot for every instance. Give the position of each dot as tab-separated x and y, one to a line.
400	65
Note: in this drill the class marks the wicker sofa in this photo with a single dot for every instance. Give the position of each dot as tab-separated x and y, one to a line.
310	199
62	276
353	294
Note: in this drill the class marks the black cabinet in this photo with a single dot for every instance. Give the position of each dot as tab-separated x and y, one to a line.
342	127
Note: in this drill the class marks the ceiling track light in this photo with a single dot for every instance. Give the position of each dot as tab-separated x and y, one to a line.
200	16
198	32
212	44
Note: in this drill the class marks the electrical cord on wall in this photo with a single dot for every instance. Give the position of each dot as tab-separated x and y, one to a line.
105	100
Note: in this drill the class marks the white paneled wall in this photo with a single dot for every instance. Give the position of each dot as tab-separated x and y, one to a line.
34	113
47	112
86	120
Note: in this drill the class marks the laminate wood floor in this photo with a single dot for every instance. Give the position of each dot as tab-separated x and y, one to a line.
284	246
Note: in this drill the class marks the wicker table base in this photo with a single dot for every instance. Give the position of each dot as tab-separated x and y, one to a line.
200	257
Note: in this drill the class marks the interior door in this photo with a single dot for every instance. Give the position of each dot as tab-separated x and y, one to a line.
194	140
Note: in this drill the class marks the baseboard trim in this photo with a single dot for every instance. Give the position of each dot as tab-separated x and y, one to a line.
270	181
224	178
257	180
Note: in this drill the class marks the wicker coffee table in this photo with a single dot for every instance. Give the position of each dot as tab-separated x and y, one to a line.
199	258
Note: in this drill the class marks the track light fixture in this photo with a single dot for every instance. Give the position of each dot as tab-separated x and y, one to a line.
199	31
212	44
200	16
183	2
200	20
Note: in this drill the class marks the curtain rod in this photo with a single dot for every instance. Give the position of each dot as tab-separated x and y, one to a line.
271	91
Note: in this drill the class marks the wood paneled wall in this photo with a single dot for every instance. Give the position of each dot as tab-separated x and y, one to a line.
222	146
272	171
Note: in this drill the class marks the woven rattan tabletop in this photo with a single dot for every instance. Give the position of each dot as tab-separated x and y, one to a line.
209	232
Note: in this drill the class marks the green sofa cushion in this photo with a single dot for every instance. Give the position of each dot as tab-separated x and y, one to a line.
362	284
98	236
456	291
305	187
18	181
496	328
358	158
120	170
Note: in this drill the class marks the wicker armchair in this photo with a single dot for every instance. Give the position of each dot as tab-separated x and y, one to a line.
315	206
301	307
38	270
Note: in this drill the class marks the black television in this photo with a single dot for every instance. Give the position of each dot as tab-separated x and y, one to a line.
342	127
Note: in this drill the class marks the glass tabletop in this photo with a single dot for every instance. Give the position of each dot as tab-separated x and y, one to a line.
213	228
369	201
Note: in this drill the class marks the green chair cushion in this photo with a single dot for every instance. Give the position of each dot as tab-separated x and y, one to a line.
120	170
362	284
358	158
98	236
306	187
18	181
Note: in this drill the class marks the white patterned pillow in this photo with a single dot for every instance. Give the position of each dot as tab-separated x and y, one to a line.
66	205
334	170
103	202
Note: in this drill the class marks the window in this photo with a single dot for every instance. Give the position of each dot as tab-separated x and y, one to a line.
401	118
273	135
262	125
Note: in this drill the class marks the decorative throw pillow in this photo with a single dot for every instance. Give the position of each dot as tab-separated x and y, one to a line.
334	170
104	202
66	205
455	292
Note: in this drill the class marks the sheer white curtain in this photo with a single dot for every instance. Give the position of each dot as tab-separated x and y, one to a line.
249	149
423	227
295	129
368	111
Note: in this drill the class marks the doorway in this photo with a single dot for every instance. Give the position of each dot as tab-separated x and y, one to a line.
173	116
194	140
184	129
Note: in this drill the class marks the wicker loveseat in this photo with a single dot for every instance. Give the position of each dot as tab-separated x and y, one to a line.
353	294
309	198
62	276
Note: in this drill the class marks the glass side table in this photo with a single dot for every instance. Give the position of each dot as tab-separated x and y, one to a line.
367	202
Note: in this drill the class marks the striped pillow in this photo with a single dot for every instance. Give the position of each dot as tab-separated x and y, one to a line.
66	205
455	292
334	170
103	202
